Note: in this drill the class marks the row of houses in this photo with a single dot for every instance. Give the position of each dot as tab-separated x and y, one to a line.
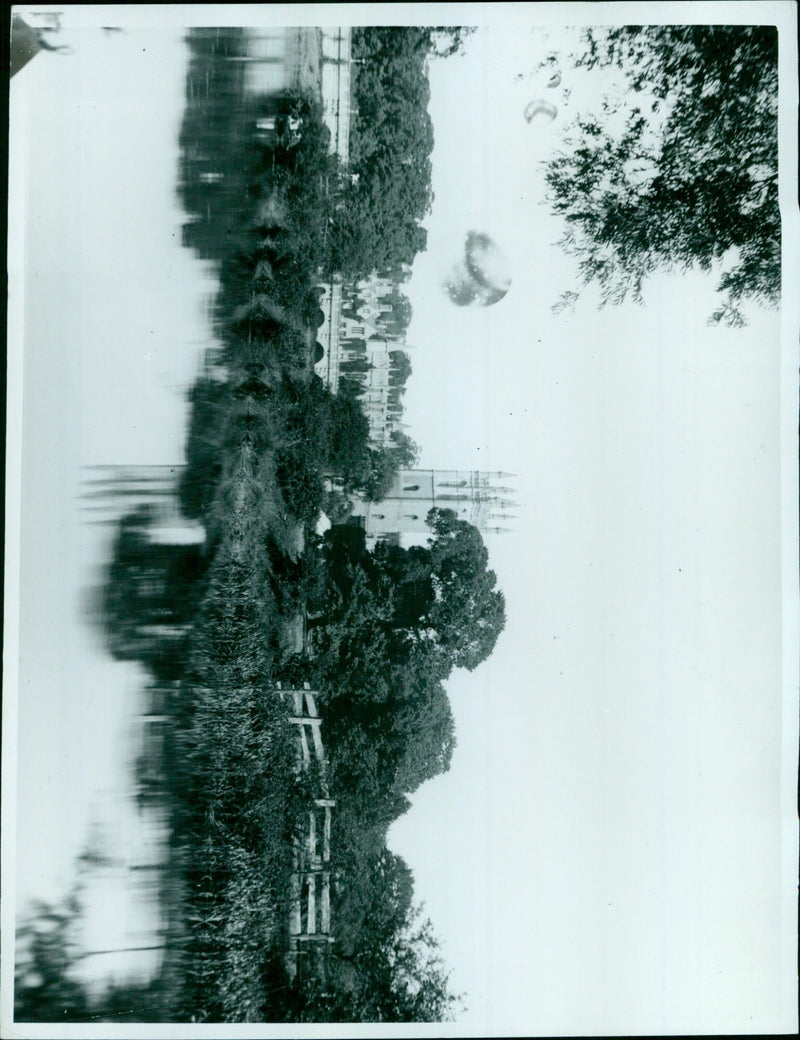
361	338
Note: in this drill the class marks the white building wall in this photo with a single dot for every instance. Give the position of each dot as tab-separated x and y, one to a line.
471	494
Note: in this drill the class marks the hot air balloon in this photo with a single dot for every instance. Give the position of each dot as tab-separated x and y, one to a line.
555	80
540	110
482	274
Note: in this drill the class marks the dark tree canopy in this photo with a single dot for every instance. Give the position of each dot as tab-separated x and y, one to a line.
394	625
399	975
406	451
400	368
384	462
445	594
439	600
692	178
446	40
387	967
378	225
426	723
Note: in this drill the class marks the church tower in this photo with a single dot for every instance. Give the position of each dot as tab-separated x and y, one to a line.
479	497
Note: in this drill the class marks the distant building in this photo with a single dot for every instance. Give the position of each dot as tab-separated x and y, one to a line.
354	313
479	497
358	335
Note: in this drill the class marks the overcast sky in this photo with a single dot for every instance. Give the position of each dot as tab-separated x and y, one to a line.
605	853
614	847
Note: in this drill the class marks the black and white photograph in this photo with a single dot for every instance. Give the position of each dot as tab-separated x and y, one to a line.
401	561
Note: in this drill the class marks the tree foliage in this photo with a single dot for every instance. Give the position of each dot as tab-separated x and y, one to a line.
383	651
425	722
439	600
445	593
397	971
394	624
687	176
378	224
388	966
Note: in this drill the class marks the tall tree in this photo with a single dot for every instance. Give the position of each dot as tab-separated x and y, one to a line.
400	368
392	970
445	593
438	600
403	448
404	979
378	224
691	178
425	721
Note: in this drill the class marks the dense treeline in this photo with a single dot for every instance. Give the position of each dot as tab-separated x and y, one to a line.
388	193
390	148
390	625
218	626
387	626
381	667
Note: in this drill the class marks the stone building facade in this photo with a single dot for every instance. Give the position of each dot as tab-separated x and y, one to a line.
479	497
